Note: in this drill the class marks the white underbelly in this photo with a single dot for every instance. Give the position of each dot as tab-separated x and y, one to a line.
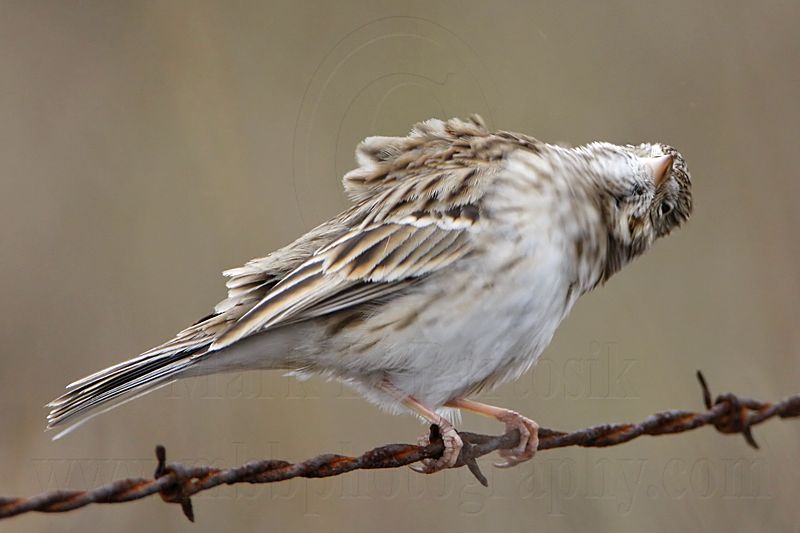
475	326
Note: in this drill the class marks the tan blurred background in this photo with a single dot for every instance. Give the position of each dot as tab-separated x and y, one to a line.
147	146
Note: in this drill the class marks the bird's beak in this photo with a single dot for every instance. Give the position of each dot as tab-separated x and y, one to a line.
660	166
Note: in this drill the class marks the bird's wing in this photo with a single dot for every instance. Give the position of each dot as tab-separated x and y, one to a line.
366	264
437	167
418	199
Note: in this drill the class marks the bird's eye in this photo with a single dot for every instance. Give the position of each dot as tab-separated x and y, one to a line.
665	209
637	190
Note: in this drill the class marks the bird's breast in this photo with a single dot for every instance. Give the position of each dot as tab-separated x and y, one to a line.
482	322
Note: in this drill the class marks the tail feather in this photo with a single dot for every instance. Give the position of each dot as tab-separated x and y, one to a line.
164	350
115	385
135	377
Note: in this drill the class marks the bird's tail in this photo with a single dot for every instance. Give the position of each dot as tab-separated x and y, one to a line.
122	382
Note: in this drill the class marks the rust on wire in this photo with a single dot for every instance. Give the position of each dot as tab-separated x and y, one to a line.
176	483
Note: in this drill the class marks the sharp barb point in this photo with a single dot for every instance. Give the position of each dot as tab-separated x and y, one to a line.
748	436
188	511
706	392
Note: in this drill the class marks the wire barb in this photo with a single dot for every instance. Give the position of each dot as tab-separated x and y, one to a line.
176	483
175	493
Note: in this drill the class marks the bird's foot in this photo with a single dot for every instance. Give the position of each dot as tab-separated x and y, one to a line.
528	429
528	438
452	447
450	437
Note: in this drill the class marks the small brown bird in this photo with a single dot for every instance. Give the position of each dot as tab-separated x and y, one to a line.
463	251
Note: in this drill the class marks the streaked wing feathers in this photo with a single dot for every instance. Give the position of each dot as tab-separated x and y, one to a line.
359	267
417	199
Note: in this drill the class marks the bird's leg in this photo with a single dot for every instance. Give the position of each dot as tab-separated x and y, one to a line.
450	437
528	429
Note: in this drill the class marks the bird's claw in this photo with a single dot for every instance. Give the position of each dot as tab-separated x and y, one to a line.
452	447
528	439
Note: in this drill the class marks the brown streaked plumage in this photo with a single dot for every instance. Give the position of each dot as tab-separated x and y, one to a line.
463	251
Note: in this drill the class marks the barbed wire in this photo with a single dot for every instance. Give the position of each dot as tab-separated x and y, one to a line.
176	483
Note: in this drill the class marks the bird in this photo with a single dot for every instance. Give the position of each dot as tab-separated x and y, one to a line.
463	250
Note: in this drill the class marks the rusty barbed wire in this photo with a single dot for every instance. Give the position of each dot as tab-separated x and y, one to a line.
176	483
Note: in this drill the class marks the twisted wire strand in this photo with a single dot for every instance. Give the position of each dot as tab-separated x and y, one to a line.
176	483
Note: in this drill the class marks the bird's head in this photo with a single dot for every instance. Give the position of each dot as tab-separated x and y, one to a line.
645	192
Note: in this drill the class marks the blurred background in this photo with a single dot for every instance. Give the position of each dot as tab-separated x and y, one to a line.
147	146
